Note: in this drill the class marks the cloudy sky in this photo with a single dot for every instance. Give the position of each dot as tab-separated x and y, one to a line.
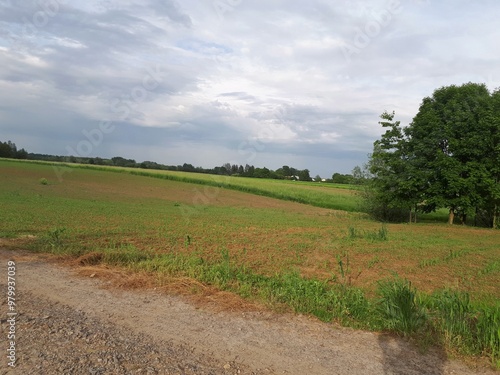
263	82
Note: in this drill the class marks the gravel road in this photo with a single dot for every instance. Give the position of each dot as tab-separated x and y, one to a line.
69	324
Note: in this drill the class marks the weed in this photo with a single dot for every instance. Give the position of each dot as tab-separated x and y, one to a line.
54	237
373	261
428	262
353	233
453	254
399	306
341	265
491	267
345	269
381	234
44	181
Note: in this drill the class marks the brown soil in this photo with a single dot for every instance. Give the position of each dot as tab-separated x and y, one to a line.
81	323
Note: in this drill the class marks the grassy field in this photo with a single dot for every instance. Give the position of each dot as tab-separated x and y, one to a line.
331	263
326	195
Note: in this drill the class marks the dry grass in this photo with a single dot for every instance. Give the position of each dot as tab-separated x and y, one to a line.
201	295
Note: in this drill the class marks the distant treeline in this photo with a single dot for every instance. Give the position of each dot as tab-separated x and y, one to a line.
9	150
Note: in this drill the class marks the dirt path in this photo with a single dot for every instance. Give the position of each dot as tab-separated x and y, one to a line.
68	324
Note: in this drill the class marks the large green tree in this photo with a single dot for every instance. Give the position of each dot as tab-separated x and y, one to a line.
449	140
447	157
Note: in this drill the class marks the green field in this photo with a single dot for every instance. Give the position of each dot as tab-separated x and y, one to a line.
321	258
326	195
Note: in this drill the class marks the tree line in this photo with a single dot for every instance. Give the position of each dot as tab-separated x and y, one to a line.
9	150
447	157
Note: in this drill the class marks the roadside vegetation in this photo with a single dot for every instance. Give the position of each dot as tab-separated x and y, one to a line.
434	283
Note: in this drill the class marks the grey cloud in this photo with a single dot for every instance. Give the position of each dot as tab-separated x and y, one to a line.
266	63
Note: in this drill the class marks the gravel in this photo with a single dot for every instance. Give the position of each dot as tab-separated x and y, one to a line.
52	338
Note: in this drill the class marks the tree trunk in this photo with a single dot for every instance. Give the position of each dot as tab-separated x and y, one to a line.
451	216
495	218
415	217
409	222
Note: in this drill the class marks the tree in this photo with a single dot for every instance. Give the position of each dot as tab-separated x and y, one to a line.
188	167
338	178
249	170
358	175
122	162
262	173
5	150
21	154
447	157
395	183
9	150
226	167
448	139
286	171
494	161
304	175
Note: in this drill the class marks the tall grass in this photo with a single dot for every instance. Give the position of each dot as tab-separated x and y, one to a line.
469	328
399	307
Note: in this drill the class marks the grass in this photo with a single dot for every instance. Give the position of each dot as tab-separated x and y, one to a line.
399	307
331	264
326	195
472	329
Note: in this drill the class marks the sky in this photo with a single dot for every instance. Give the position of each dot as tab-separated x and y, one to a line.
207	82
